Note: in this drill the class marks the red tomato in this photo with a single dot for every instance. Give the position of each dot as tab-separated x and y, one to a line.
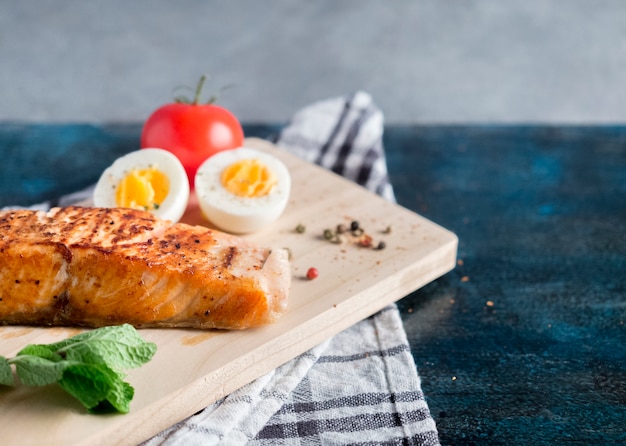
192	131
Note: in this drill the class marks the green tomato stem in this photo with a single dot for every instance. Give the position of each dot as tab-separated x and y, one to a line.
196	99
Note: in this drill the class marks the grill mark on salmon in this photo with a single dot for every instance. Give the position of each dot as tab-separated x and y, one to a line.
64	250
95	267
230	255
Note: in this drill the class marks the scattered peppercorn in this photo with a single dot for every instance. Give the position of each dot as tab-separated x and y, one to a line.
338	239
358	232
341	228
300	229
353	233
365	241
312	273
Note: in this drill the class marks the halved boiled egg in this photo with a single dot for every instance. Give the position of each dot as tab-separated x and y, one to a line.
242	190
149	179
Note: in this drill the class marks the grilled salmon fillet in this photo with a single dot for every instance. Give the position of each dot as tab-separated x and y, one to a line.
95	267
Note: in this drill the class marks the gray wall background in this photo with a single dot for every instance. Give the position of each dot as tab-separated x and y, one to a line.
423	61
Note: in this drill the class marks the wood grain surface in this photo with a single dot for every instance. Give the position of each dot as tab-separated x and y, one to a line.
194	368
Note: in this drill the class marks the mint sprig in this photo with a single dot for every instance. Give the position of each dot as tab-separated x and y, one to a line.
88	366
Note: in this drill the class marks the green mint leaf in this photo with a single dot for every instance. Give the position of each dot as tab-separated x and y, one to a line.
121	347
38	371
6	375
97	386
42	351
88	366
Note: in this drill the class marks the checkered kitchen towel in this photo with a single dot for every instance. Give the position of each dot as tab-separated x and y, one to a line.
359	387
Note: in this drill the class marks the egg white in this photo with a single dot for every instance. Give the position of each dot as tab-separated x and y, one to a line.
235	214
174	204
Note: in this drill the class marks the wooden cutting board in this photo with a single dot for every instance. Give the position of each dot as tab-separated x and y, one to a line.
194	368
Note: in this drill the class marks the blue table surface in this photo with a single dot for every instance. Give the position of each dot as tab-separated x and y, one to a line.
524	341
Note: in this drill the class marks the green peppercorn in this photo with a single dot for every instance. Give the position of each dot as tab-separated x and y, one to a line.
338	239
358	232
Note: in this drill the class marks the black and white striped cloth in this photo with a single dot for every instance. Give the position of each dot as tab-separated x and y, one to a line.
342	391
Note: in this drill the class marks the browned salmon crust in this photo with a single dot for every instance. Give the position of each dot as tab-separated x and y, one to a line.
95	267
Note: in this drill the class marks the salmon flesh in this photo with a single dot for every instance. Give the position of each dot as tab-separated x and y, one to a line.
94	267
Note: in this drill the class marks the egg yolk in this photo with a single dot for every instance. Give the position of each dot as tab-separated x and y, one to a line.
248	178
142	189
